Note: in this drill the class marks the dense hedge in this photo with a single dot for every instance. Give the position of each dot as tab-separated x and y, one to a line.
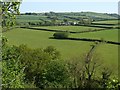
61	35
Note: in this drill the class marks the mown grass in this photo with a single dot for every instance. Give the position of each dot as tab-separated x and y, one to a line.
111	35
41	39
108	22
107	53
69	28
30	18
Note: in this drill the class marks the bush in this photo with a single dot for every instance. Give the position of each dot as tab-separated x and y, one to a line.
36	62
52	52
56	74
12	69
61	35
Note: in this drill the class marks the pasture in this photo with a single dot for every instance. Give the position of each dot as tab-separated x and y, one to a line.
108	22
110	35
69	28
107	53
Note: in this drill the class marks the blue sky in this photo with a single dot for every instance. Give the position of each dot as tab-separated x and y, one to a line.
102	7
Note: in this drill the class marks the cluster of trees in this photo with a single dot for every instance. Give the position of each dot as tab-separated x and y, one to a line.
30	14
28	24
41	23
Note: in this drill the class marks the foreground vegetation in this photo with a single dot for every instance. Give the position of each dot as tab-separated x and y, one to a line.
44	68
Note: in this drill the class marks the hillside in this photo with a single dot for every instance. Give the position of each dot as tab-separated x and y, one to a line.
60	17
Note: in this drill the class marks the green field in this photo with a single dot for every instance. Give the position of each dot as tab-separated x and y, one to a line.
111	35
40	39
69	28
108	22
30	18
107	53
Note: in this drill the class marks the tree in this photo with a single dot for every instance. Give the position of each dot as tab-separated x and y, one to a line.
65	21
9	11
61	35
81	22
52	52
54	19
56	74
52	13
36	62
12	71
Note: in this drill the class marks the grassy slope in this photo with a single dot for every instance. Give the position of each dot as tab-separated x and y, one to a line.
40	39
36	18
100	15
69	28
111	35
30	18
108	22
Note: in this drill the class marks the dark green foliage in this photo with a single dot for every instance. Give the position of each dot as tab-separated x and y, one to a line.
61	35
56	73
65	20
34	61
39	64
29	64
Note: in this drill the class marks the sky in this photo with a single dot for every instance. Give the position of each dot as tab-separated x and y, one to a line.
101	6
70	0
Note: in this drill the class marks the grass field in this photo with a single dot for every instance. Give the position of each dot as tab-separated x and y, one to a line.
40	39
69	28
30	18
108	22
107	53
111	35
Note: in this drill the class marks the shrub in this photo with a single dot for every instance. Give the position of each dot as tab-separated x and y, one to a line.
12	69
52	52
61	35
36	62
56	74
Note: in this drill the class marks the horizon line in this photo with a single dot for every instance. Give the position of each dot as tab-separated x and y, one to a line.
68	12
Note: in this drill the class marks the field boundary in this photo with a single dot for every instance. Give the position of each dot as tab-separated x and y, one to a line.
105	27
90	40
102	24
